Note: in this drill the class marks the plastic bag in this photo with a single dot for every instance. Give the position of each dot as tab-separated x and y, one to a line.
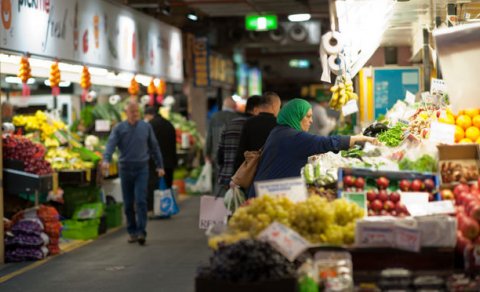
204	181
164	201
234	198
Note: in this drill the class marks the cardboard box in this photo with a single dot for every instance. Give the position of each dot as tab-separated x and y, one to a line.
437	231
465	154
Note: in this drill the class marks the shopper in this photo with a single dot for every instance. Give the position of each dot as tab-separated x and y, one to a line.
166	138
136	141
227	148
322	124
215	127
256	130
289	145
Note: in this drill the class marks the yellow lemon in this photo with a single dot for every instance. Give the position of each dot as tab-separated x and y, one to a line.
464	121
459	133
465	141
472	133
471	112
476	121
478	141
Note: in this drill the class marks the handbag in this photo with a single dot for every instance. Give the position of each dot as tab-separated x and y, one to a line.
245	174
212	212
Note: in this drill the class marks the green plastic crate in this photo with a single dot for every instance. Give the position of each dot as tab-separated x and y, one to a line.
114	215
83	230
74	197
89	211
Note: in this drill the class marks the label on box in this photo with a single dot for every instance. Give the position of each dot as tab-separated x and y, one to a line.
292	188
442	133
350	107
102	125
409	97
407	238
438	87
375	236
359	198
286	241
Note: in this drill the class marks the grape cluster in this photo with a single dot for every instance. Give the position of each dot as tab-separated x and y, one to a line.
32	154
247	261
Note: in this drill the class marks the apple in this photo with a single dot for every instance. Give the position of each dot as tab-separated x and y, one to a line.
383	195
371	195
404	185
382	182
475	211
429	184
400	207
377	205
447	194
360	182
460	188
417	185
389	206
394	197
349	181
470	228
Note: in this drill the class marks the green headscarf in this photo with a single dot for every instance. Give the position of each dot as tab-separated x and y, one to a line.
293	112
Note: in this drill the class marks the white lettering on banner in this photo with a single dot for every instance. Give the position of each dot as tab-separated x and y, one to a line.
292	188
70	30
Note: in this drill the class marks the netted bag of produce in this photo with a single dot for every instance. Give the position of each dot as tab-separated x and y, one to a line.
28	226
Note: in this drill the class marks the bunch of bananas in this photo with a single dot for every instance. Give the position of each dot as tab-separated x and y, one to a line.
151	88
63	158
54	75
24	73
40	121
134	87
85	78
162	87
342	92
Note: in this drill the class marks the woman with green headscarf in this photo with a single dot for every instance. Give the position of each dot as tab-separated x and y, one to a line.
289	145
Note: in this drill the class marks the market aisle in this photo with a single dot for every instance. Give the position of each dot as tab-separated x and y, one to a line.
167	263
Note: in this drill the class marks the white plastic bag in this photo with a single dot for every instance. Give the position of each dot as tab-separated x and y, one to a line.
204	182
212	212
234	198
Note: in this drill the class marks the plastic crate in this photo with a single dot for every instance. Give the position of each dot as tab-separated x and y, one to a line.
77	196
114	215
83	230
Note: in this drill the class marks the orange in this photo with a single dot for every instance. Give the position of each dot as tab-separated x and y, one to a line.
472	112
465	140
447	119
464	121
459	133
478	141
472	133
476	121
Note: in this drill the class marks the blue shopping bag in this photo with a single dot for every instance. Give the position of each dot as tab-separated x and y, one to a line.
164	201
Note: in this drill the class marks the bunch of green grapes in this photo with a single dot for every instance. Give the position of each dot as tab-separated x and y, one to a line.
226	239
312	217
346	212
348	233
260	213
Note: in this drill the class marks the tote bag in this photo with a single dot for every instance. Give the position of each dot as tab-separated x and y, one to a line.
164	204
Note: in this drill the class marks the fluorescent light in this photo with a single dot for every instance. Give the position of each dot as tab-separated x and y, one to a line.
97	71
17	80
238	99
61	84
299	17
192	16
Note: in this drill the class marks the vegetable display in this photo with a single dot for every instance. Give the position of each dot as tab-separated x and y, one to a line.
393	136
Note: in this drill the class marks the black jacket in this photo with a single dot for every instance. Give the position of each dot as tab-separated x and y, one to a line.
254	134
166	137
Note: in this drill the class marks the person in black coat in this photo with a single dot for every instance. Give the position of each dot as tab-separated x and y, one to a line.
166	137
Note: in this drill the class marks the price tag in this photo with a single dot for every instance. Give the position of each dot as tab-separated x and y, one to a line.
407	238
292	188
438	87
442	133
350	107
415	202
102	125
409	97
375	236
286	241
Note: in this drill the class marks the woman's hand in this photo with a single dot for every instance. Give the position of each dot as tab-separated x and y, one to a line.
363	139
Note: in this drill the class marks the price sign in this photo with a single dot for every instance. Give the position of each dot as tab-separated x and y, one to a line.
438	87
292	188
102	125
375	236
409	97
440	207
284	240
350	107
442	133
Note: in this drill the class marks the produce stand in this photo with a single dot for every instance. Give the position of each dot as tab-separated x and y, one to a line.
17	182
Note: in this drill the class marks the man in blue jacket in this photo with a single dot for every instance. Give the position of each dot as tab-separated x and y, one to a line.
136	141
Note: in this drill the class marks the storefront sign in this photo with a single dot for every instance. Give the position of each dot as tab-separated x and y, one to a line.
201	62
292	188
96	33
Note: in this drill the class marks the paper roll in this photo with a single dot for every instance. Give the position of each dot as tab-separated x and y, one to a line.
332	37
332	64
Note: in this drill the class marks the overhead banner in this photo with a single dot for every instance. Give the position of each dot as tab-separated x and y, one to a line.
92	32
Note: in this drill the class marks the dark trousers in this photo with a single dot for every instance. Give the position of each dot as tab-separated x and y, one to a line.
154	183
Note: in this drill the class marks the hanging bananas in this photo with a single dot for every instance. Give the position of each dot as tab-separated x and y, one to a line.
342	92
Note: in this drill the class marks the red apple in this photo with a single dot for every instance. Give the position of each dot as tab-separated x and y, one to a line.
389	206
417	185
429	184
383	195
447	195
349	181
371	195
360	182
377	205
460	188
475	211
394	197
404	185
470	228
382	182
400	207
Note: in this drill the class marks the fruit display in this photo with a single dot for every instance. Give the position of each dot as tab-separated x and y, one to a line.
42	122
342	92
458	172
65	159
329	194
31	154
467	129
316	219
467	201
182	125
247	261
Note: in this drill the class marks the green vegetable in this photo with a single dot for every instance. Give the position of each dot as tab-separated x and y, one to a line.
393	137
426	163
309	173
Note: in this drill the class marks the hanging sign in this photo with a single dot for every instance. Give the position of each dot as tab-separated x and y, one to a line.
201	62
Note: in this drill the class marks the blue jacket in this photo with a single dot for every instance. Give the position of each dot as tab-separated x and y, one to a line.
287	150
136	143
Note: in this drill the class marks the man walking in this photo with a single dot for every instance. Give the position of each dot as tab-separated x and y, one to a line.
136	141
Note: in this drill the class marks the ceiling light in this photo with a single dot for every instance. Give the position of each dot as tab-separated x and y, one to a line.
192	16
17	80
61	84
299	17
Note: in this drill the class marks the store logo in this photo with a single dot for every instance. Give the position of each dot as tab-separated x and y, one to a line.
42	5
6	10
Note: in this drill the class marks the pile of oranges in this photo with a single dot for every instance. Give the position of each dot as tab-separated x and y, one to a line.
467	126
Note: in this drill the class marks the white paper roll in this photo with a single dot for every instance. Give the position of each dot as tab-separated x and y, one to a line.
327	40
334	67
